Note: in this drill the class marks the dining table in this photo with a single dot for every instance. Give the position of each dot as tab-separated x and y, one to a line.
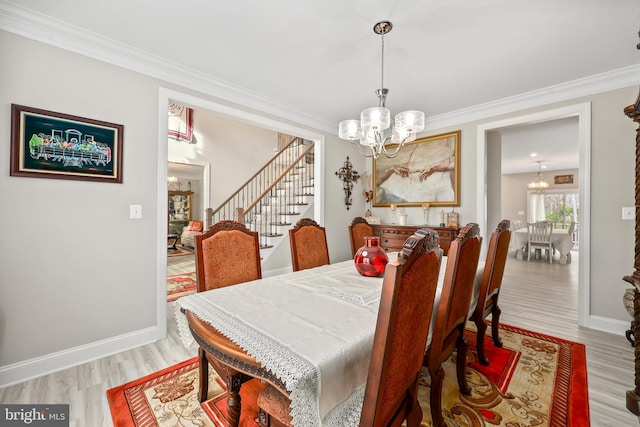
309	332
560	238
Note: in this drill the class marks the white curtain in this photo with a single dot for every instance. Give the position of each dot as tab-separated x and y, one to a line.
536	207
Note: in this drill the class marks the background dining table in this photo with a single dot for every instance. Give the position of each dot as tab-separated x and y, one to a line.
560	238
313	329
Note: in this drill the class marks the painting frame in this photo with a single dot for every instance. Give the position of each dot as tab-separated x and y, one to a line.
563	179
426	170
48	144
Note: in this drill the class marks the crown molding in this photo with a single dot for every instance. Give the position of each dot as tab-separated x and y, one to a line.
33	25
28	23
611	80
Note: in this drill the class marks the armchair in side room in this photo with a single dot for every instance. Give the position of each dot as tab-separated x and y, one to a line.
190	231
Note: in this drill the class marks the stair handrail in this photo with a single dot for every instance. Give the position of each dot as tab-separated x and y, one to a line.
297	141
278	179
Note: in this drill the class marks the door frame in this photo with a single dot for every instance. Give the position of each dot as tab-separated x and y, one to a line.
279	125
583	112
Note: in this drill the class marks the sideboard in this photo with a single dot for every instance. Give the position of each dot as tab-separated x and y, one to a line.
393	236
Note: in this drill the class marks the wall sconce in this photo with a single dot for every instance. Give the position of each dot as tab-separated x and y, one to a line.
348	175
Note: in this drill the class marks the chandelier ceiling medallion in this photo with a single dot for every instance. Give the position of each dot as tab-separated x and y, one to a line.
539	183
374	130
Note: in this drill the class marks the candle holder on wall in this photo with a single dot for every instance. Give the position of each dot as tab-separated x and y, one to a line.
348	176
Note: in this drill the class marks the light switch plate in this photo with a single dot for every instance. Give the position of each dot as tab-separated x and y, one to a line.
629	213
135	211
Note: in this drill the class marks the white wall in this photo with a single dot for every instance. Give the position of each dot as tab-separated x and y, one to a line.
76	271
235	151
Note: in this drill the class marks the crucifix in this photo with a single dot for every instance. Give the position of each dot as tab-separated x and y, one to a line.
348	175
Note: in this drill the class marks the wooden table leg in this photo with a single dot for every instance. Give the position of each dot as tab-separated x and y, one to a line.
234	402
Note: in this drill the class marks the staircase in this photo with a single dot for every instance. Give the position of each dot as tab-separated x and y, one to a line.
275	198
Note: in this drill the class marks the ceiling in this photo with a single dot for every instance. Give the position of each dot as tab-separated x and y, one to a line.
322	60
185	171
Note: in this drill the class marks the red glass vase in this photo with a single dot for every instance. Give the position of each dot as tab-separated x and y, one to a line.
371	259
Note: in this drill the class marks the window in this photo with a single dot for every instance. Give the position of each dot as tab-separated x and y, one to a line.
560	207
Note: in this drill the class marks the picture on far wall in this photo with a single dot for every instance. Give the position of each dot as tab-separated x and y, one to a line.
46	144
180	123
426	170
563	179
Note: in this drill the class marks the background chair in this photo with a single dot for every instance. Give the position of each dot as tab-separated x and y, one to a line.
539	237
490	288
358	230
190	231
516	224
451	316
406	303
227	254
308	245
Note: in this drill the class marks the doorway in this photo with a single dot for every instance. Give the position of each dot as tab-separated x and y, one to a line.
485	174
164	97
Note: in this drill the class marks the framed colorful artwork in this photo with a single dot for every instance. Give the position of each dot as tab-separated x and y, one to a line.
46	144
426	170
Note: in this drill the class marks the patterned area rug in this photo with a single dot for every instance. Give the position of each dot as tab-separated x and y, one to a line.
180	251
534	380
179	285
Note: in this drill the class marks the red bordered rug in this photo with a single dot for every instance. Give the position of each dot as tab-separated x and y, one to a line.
534	380
179	251
179	285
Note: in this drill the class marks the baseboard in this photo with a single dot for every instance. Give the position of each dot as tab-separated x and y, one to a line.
606	324
44	365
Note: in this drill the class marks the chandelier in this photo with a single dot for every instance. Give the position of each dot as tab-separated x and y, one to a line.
538	184
374	130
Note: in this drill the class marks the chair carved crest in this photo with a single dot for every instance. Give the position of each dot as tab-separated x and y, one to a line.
422	241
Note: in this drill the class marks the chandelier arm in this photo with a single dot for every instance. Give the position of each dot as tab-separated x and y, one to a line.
394	153
363	153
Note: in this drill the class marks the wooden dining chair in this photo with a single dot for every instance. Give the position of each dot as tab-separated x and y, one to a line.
451	316
490	288
358	230
308	245
539	237
404	314
227	254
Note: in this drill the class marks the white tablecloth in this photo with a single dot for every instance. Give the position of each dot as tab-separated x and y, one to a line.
313	329
561	239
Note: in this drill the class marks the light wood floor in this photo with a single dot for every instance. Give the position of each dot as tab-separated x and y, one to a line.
535	295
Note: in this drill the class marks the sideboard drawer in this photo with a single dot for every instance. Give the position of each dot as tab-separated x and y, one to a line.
392	237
